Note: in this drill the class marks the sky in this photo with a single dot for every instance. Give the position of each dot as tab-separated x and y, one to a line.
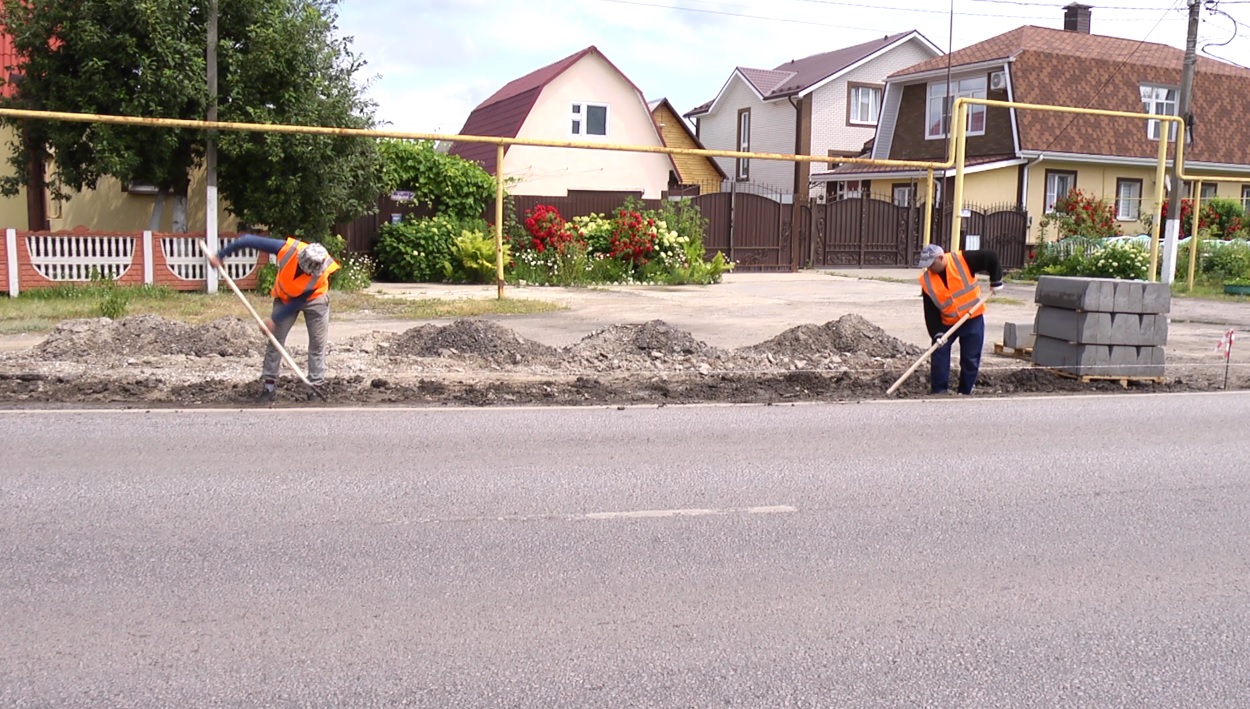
430	62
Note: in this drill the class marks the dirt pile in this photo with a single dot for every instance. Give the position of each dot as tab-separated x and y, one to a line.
148	336
651	345
848	335
488	341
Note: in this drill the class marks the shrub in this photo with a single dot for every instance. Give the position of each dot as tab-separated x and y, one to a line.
1226	261
113	305
1225	217
596	231
355	273
1118	259
473	258
446	184
415	249
266	277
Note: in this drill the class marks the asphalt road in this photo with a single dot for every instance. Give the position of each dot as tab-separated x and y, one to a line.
989	553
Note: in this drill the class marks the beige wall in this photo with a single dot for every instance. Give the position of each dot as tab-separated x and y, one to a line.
109	208
992	188
553	171
12	209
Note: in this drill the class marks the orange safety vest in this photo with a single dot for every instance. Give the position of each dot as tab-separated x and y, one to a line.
959	294
291	282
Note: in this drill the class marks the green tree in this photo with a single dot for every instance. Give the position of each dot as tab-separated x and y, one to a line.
279	61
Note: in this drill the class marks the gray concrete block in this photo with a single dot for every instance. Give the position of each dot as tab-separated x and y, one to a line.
1129	297
1073	358
1156	298
1146	329
1128	361
1071	293
1018	336
1073	326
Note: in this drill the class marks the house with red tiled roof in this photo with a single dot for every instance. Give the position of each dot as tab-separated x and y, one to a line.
1031	158
584	98
827	103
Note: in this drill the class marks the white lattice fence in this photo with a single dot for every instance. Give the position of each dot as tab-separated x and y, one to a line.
186	261
80	258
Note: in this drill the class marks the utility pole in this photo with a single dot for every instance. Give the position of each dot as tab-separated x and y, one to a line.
210	150
1176	193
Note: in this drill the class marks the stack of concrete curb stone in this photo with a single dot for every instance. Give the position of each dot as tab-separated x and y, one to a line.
1101	327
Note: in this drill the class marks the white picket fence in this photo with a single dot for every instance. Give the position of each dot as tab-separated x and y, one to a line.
72	257
81	258
186	261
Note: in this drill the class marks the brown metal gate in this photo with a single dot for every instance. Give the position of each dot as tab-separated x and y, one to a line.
868	230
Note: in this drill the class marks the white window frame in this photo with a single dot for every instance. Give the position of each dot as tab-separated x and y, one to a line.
1155	101
742	170
968	87
902	194
1210	191
862	97
1245	197
579	120
1128	206
1052	187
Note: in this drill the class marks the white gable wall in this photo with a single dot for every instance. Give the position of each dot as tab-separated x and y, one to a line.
554	171
772	131
829	102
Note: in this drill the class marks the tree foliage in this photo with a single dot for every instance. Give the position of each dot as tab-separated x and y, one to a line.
279	61
447	184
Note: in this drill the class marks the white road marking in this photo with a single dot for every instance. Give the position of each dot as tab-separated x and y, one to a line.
628	514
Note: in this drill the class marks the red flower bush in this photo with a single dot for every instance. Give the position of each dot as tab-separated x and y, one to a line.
633	237
547	229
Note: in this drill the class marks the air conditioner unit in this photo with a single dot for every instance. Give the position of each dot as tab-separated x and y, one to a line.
998	81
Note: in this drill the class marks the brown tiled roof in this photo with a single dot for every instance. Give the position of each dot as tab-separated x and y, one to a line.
798	75
1064	68
503	113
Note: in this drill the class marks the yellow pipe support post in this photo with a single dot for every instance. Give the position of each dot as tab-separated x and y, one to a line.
1157	223
958	123
499	151
1193	239
928	207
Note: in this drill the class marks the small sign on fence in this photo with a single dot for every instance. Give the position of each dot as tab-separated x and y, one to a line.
403	195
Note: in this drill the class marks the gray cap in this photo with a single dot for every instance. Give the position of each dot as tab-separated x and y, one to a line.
928	255
313	259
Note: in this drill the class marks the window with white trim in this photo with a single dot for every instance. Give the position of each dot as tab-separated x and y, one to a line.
938	110
1209	191
743	166
1127	199
1158	101
864	105
589	119
1245	197
1058	184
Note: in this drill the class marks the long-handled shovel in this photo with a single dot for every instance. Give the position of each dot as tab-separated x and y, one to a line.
286	356
946	336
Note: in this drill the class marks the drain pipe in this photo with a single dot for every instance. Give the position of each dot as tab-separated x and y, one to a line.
1024	190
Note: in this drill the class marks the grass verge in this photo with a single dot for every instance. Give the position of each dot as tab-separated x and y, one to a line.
40	310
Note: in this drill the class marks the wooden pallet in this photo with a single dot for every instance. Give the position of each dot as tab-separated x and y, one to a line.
1018	353
1124	380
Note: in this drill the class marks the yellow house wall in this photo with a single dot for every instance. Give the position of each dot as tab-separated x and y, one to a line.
12	209
1097	180
109	208
991	189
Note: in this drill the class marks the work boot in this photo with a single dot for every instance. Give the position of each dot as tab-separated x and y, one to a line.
268	392
317	392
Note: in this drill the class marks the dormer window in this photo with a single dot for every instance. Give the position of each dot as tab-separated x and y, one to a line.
1158	101
938	111
590	119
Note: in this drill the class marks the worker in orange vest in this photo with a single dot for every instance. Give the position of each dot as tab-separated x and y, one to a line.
302	286
948	285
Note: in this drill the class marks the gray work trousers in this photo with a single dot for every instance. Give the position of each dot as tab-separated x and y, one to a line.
317	320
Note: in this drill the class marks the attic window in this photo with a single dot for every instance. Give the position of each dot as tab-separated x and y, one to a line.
1159	101
590	119
863	103
938	111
